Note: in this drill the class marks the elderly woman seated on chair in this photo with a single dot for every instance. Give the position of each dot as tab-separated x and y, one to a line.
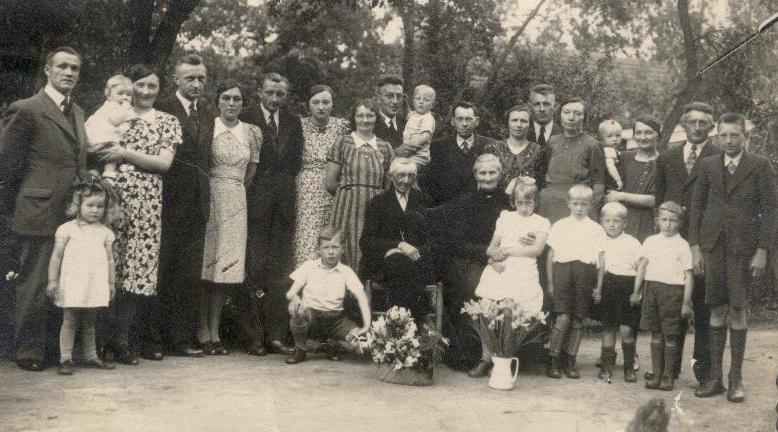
394	241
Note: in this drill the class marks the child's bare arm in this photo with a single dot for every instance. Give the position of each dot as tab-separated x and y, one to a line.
610	164
550	271
364	306
418	140
55	265
297	286
597	294
532	250
639	277
688	289
494	251
111	270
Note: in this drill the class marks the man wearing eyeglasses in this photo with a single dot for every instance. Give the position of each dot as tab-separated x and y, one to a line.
677	170
390	122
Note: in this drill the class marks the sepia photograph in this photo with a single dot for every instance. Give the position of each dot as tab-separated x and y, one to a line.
350	215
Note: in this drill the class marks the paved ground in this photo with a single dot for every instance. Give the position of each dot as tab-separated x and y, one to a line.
242	393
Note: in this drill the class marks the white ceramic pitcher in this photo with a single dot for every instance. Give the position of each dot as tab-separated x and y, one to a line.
504	373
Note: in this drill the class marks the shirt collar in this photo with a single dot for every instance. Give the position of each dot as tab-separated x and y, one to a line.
268	114
401	195
389	121
185	102
688	146
359	142
548	126
736	159
469	141
55	95
219	127
338	267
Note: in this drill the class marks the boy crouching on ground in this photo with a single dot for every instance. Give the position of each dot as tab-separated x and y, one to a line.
319	312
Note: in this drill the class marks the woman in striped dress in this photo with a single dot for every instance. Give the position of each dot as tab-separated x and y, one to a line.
357	167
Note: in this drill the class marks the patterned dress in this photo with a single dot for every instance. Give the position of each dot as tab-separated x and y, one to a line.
527	163
363	168
224	252
313	200
137	241
639	178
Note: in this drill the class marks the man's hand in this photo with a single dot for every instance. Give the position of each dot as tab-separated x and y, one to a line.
613	196
110	152
758	263
698	263
409	250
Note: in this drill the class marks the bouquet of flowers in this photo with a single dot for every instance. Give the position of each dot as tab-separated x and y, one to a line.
395	342
503	326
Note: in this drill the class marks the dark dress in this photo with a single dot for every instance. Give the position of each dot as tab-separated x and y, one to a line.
639	178
527	163
462	230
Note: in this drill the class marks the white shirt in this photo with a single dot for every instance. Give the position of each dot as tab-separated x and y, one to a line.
576	240
622	254
55	95
687	149
323	288
402	198
735	160
359	142
668	259
185	102
268	115
465	144
547	131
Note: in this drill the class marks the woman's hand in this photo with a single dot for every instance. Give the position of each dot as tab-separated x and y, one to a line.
529	239
613	196
111	152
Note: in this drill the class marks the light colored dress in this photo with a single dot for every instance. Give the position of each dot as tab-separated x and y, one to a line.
313	200
83	277
224	253
519	281
363	168
138	239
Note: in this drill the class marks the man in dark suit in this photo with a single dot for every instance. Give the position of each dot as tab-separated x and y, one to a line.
390	123
677	170
450	172
395	241
271	211
731	228
42	151
542	126
185	204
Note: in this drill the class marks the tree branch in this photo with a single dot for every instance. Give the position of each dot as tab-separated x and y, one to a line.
164	39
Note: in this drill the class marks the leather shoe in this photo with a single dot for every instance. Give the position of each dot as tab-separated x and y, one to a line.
30	365
99	364
152	355
481	369
65	368
331	351
257	350
218	348
188	351
276	347
711	387
296	356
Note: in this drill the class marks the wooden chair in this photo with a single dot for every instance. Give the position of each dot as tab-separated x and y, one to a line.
436	301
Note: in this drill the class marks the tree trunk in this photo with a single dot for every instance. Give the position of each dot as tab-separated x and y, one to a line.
139	19
693	81
407	12
164	39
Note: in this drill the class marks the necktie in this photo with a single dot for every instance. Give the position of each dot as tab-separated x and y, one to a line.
193	117
691	159
67	111
271	124
731	167
542	136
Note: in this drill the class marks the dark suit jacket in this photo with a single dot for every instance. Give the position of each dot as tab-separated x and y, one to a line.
274	165
395	139
192	161
386	225
40	157
450	172
555	130
741	207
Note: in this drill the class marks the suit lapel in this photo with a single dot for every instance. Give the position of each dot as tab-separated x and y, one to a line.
283	132
52	111
744	168
78	113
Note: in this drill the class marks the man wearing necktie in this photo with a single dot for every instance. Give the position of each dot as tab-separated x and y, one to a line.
271	208
390	123
677	170
731	227
185	206
542	126
42	151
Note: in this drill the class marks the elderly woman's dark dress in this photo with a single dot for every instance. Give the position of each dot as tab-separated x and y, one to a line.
462	231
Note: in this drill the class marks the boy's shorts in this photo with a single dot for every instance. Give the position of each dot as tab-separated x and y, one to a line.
661	312
727	278
328	324
574	283
614	308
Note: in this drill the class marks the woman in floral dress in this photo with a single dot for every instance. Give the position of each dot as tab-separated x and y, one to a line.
518	157
357	167
313	201
149	146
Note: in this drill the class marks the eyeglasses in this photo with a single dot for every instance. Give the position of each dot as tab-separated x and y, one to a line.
697	124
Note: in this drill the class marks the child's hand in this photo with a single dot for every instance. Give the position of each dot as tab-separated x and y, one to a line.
635	298
498	254
686	310
498	266
619	184
52	288
597	296
290	295
550	287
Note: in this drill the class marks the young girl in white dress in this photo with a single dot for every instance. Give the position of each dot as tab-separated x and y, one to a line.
513	271
81	271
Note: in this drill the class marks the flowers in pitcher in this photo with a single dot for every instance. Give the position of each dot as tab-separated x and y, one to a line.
504	326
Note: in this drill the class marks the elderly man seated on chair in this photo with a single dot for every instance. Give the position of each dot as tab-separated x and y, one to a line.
394	241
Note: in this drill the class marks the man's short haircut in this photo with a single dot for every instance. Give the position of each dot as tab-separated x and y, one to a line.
64	49
697	106
733	118
140	71
487	158
519	107
609	123
228	84
466	105
424	89
614	209
670	207
116	81
390	79
190	59
400	162
544	89
320	88
274	77
580	191
329	233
